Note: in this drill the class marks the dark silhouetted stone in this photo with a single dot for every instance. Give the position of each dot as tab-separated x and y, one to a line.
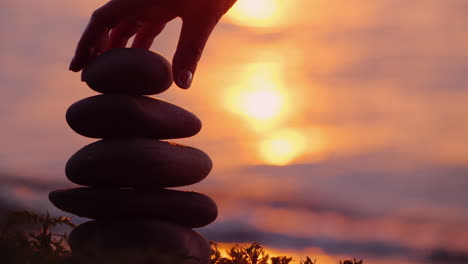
185	208
129	71
106	116
137	162
142	241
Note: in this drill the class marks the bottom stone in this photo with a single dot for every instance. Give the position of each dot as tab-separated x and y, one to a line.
138	241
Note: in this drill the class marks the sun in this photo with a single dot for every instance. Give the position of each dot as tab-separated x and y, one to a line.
262	105
258	94
258	13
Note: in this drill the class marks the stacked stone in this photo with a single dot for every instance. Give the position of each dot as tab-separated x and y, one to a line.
126	173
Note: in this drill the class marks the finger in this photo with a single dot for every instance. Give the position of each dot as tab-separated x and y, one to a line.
157	18
227	5
193	38
144	38
102	43
102	19
123	32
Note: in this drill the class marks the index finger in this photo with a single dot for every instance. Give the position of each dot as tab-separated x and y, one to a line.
104	18
194	35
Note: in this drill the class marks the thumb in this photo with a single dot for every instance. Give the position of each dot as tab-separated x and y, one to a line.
194	35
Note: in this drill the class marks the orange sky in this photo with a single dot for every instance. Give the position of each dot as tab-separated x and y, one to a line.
345	122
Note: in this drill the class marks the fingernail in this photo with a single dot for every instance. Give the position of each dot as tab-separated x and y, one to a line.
185	79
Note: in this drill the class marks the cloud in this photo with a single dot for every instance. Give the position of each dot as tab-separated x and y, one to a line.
37	184
30	192
376	175
379	196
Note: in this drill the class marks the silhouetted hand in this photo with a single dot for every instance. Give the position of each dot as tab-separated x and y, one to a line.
114	23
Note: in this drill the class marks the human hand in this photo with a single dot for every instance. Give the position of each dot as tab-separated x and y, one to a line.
113	24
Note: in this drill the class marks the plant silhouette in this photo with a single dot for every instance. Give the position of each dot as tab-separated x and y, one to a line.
39	247
308	261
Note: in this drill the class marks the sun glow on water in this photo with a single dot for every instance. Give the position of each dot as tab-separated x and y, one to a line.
260	95
282	147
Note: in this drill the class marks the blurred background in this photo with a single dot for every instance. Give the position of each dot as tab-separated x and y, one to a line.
337	128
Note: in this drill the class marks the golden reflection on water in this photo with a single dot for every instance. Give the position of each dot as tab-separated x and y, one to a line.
288	145
260	97
261	91
282	147
297	255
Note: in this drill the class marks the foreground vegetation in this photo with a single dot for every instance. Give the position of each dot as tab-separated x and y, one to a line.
27	238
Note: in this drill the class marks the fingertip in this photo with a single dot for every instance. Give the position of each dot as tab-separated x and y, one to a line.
74	69
78	63
184	79
81	58
74	66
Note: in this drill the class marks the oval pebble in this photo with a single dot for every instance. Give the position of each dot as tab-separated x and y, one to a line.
185	208
106	116
139	241
137	162
128	71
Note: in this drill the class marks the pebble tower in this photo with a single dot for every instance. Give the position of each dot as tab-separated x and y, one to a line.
125	175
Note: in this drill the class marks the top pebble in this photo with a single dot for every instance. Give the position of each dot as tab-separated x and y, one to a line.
129	71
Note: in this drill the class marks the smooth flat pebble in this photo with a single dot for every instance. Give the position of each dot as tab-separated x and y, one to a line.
128	71
137	162
143	241
185	208
106	116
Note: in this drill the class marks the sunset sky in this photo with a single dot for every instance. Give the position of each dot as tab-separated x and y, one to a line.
336	128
